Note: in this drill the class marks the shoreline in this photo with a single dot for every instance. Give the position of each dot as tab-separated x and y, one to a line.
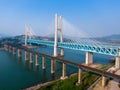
37	86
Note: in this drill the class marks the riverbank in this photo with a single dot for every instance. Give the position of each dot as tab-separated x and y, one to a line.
40	85
70	83
67	84
46	83
88	78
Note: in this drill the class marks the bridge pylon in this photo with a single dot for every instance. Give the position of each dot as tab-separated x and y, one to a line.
58	29
28	34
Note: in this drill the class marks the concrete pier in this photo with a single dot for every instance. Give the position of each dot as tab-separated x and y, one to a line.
31	58
103	81
61	52
52	66
117	62
19	53
26	55
43	62
9	48
63	71
89	58
5	47
36	60
79	76
14	50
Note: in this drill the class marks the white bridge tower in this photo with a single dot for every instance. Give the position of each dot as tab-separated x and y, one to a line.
28	34
58	29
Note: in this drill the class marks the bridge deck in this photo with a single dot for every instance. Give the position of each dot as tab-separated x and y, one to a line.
107	50
71	63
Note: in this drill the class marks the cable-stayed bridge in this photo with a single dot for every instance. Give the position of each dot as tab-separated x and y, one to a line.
87	45
104	49
90	46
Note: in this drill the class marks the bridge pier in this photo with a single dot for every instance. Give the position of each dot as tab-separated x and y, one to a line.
5	47
14	50
63	71
52	66
61	52
9	48
36	60
117	62
31	58
43	62
19	53
26	55
103	81
79	76
89	58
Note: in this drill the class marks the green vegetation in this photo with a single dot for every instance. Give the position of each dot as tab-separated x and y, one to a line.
70	83
88	78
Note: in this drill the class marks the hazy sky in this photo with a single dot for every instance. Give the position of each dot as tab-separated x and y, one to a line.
96	17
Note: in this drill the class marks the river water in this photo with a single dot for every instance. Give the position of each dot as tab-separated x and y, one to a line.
17	74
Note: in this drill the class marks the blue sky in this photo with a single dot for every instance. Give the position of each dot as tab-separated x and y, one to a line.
95	17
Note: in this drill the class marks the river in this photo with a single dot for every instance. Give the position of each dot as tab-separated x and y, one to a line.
16	74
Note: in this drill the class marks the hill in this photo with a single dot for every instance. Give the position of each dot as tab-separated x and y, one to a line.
112	37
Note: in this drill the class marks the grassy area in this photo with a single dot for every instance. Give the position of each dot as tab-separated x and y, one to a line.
88	78
70	83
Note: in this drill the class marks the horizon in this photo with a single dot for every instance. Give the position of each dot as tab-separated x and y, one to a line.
67	37
96	18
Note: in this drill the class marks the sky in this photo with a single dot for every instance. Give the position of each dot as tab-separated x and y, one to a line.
95	17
